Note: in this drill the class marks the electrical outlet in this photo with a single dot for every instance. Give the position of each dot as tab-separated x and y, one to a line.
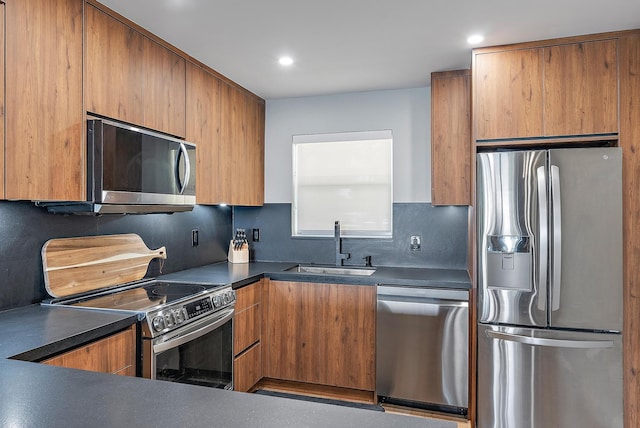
256	235
414	243
194	238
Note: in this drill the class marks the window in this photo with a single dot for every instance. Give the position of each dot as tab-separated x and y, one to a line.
345	177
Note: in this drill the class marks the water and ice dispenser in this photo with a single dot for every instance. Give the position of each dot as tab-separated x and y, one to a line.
509	261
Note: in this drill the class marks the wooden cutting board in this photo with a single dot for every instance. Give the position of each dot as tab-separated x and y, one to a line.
78	265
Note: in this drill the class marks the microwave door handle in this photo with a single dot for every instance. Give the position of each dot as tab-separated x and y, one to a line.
183	154
557	237
544	237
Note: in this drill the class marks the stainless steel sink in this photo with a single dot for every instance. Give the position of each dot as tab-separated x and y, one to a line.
332	270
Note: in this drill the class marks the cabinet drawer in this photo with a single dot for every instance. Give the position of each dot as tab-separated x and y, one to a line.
247	369
113	354
248	296
247	325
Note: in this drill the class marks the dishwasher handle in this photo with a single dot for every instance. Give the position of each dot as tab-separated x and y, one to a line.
454	294
425	300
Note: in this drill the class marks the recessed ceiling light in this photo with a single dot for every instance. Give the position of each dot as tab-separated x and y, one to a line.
475	39
285	60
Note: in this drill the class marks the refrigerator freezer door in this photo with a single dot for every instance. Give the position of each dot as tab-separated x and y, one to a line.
512	232
586	243
543	378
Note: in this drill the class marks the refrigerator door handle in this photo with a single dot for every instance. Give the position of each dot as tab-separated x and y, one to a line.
544	237
557	237
554	343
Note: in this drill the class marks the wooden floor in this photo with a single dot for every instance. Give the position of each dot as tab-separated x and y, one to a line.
354	396
390	408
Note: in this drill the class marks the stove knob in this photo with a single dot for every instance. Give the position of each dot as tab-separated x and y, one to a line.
233	295
225	298
178	316
216	301
158	323
167	320
185	314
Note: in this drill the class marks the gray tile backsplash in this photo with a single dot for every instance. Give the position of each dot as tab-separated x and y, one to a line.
443	232
24	228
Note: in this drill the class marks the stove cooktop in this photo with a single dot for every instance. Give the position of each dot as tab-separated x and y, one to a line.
143	298
161	306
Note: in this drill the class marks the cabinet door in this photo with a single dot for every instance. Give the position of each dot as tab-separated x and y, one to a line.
241	171
203	129
508	94
2	100
322	334
114	68
254	158
247	333
248	318
45	154
581	88
247	369
113	354
164	89
232	141
451	138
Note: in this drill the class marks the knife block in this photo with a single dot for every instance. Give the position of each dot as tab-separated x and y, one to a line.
238	256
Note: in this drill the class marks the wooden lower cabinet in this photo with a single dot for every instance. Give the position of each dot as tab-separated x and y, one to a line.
247	334
113	354
321	334
247	368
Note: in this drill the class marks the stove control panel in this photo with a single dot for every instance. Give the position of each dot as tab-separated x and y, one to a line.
174	316
198	307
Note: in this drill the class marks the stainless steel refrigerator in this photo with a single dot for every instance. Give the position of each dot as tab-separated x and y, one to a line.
549	236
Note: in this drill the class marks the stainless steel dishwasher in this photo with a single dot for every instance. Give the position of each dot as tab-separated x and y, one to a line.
422	347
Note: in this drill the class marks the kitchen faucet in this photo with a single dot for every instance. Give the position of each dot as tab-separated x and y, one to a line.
340	256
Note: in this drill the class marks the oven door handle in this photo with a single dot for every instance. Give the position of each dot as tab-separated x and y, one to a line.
181	339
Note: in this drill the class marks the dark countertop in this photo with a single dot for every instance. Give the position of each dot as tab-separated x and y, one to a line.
241	274
36	395
34	332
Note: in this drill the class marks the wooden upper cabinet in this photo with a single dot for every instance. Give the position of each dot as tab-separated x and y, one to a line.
132	78
45	154
255	151
581	88
451	138
164	89
203	129
241	169
562	90
1	100
114	65
231	142
508	94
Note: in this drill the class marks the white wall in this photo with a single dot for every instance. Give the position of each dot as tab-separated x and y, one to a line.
406	112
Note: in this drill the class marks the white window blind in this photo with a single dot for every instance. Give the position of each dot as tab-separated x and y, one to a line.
346	177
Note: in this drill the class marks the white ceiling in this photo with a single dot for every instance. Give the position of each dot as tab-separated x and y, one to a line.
358	45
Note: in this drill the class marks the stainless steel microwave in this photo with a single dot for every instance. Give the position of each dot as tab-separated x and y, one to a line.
133	170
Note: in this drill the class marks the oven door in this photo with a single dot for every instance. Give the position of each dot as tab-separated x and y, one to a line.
199	354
